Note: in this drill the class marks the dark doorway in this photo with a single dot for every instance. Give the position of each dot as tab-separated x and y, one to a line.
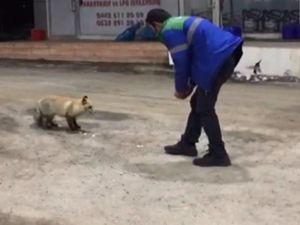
16	19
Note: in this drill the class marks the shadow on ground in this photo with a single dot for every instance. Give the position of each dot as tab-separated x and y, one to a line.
8	219
186	172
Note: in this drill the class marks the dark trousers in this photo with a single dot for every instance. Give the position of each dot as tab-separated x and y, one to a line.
203	114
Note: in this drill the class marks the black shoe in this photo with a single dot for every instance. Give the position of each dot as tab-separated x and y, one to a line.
210	160
182	149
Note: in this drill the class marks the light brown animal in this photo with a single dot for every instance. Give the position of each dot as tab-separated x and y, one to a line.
70	108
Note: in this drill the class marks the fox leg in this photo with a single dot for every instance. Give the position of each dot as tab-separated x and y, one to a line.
75	123
40	120
70	121
39	117
49	122
52	123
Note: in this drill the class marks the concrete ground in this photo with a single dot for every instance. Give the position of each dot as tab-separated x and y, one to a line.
117	173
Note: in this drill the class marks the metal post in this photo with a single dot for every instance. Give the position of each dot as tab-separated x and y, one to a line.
48	12
77	4
181	7
216	12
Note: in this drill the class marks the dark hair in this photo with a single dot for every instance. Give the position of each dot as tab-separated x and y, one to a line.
157	15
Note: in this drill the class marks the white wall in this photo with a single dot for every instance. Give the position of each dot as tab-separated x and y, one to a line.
62	18
111	19
275	61
171	5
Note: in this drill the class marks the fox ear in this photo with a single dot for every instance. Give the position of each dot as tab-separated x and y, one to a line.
84	100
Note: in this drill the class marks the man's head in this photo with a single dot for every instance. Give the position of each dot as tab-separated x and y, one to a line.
156	17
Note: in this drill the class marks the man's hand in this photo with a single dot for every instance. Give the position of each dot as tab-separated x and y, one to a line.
180	95
183	95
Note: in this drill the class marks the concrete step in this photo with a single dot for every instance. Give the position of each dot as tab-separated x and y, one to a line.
114	67
86	51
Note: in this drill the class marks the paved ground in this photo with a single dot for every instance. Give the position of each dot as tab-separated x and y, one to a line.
116	173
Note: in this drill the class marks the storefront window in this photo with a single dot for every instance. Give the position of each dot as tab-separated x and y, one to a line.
260	16
256	18
199	8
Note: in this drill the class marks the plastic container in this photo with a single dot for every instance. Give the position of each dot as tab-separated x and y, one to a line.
290	31
145	33
38	35
129	33
298	31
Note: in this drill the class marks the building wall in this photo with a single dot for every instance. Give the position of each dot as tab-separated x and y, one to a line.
286	61
171	5
62	22
40	14
66	22
62	18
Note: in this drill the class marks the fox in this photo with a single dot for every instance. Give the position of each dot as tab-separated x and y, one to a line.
70	108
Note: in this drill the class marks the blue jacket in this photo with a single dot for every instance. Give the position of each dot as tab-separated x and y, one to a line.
198	49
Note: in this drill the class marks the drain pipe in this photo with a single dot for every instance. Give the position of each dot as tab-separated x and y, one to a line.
48	14
216	9
181	7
